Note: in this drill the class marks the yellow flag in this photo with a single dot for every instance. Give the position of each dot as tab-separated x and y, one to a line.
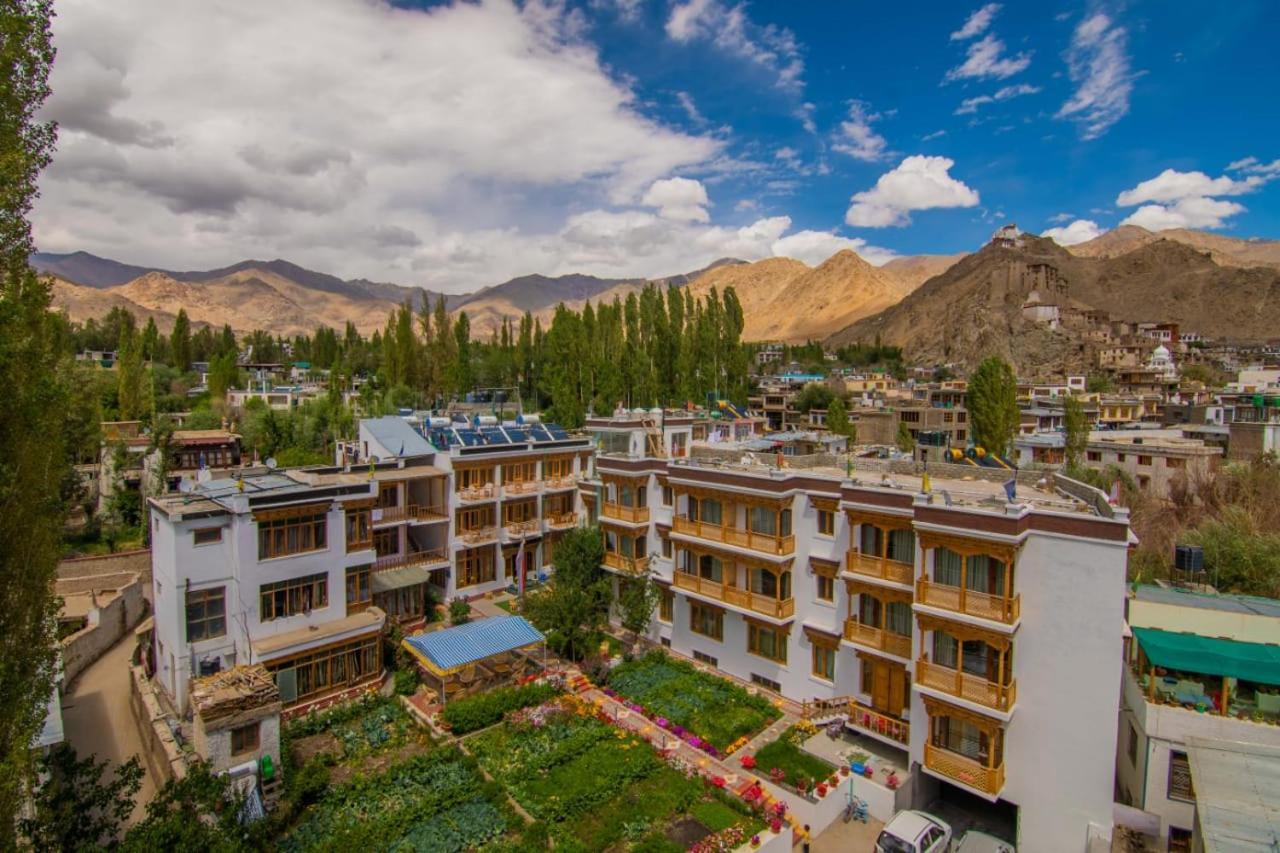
925	485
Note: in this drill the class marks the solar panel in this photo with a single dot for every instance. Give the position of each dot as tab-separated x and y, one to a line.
516	433
494	435
442	437
557	432
469	437
539	433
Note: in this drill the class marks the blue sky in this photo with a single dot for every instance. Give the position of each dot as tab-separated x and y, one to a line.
456	144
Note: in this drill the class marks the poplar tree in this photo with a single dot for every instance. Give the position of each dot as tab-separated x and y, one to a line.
129	371
993	405
180	342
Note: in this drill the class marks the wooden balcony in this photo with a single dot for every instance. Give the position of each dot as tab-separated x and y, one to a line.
967	771
524	487
413	558
354	545
877	638
753	601
523	528
625	564
561	520
870	720
880	568
964	685
479	535
961	600
765	543
413	512
473	494
559	484
622	512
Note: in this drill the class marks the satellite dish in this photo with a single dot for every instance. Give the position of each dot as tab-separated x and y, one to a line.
271	463
186	486
374	460
204	475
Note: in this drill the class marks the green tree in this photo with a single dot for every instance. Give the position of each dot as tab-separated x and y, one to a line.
129	371
993	405
34	374
1077	430
573	606
637	599
906	442
224	374
79	805
815	395
180	342
838	417
198	812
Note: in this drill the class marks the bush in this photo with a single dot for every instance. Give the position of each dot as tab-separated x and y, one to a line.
478	712
459	611
406	682
308	784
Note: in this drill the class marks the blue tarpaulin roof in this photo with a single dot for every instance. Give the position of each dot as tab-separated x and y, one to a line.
449	650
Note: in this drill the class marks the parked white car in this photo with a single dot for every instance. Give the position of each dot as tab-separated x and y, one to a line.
981	842
914	832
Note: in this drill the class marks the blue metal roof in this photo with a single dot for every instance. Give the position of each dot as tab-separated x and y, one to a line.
452	648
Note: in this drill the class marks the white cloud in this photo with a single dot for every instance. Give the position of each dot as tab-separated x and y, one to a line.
681	199
770	47
814	247
690	108
1098	63
1078	231
918	183
857	139
1061	217
985	59
1253	166
450	127
1172	185
970	105
977	23
788	156
1194	212
937	134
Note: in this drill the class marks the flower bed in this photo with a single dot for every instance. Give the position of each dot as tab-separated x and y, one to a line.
485	709
785	763
708	712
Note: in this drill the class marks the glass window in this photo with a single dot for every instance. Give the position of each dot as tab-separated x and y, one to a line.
826	588
206	536
1180	787
826	522
706	621
946	567
869	610
824	662
244	739
902	546
710	568
897	618
206	614
666	606
763	520
279	537
870	539
291	597
766	642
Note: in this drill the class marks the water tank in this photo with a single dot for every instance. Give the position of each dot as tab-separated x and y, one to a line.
530	419
486	420
656	412
1188	558
438	423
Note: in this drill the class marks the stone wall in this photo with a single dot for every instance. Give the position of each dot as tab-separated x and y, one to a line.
119	609
135	562
162	752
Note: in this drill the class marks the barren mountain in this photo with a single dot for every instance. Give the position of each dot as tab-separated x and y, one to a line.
974	309
784	299
1225	251
84	303
915	270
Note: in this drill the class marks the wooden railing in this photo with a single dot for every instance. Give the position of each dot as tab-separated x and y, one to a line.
623	563
746	599
558	483
869	719
523	528
962	769
478	493
622	512
562	519
479	535
413	512
413	558
819	708
877	638
975	688
767	543
522	487
962	600
359	544
871	566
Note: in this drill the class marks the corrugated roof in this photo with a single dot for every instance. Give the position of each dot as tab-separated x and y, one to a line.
453	648
397	436
1236	804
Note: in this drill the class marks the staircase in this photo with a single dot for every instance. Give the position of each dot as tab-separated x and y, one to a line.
577	682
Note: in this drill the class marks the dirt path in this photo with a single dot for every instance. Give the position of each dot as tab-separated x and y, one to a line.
98	720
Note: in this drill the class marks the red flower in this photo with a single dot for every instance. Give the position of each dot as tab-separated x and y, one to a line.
748	761
718	781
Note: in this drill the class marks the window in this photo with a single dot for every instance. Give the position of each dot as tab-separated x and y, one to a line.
1179	840
206	536
824	662
470	478
1144	460
1180	778
666	606
476	518
1132	748
1171	462
329	668
902	546
388	495
707	621
1093	455
706	510
515	512
767	642
475	567
867	674
826	588
244	739
291	597
280	537
386	542
1120	457
558	467
826	522
519	472
703	657
665	542
359	529
358	588
668	497
206	614
766	683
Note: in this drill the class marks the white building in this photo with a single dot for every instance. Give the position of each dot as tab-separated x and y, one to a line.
1187	649
977	639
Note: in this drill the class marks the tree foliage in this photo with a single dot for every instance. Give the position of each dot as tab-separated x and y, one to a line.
571	609
1076	427
993	405
838	419
637	599
80	805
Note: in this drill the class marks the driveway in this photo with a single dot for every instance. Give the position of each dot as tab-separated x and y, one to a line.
852	837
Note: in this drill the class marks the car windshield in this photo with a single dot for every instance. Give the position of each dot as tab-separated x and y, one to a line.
887	843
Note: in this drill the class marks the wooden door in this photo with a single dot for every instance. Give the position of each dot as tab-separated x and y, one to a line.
888	687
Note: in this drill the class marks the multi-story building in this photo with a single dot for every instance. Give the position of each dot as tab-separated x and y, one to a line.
1202	666
978	637
1152	459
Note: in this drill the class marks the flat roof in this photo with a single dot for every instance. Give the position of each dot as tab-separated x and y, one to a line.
1246	604
1236	804
395	434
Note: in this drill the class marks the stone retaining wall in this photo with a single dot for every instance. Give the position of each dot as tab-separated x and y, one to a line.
163	755
119	609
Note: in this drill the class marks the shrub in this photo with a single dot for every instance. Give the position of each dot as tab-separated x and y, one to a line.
478	712
406	682
792	763
308	784
459	611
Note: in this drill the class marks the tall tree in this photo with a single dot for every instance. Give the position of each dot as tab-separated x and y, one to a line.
129	371
1076	428
79	804
180	342
35	459
838	417
572	608
993	405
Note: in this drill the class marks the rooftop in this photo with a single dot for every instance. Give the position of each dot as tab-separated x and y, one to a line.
1244	604
1235	785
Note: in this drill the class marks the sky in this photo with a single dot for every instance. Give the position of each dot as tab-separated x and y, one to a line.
455	145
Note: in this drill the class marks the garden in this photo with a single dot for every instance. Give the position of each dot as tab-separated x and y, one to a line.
596	787
709	712
786	763
357	737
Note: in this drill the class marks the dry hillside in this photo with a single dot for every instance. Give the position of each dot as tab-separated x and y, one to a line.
83	303
1225	251
915	270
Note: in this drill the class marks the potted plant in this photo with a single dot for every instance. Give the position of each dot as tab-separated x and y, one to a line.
755	842
775	825
822	789
844	770
802	785
748	762
866	772
778	775
893	781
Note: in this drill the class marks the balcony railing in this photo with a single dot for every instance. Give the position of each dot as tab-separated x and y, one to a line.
561	520
871	720
413	512
767	543
975	688
963	769
523	487
754	601
962	600
359	545
623	563
881	568
523	528
487	492
877	638
479	535
622	512
554	484
413	558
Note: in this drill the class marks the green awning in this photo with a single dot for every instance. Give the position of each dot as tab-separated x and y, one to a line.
1258	662
387	580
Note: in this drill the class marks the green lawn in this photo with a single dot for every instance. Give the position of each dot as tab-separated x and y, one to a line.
794	761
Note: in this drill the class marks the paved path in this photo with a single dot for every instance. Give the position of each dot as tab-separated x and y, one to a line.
852	837
98	720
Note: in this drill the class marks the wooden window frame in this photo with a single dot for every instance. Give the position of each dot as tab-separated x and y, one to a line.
780	642
203	598
823	654
471	519
474	569
829	585
294	534
282	599
666	606
359	585
246	738
715	614
826	522
202	536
